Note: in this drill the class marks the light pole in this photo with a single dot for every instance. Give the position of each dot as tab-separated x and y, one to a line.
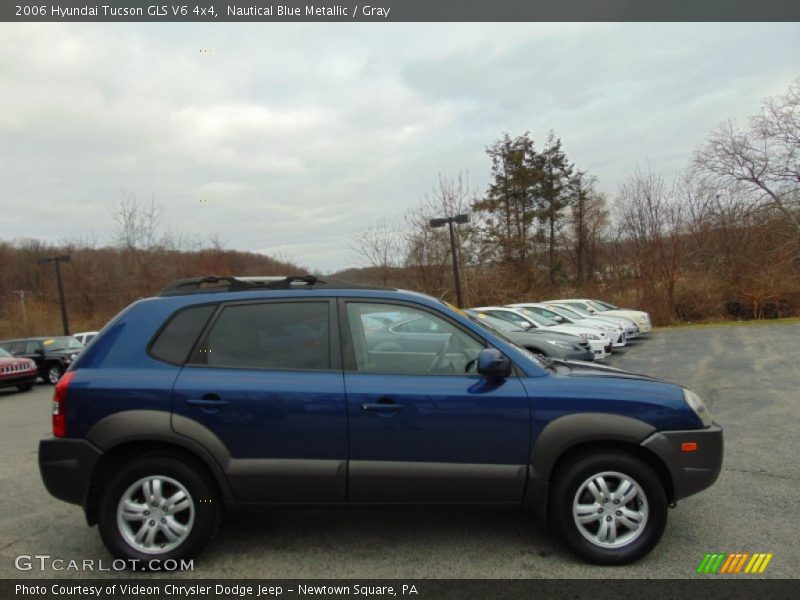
450	221
21	294
58	260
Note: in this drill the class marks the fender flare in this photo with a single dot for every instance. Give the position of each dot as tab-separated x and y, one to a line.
569	431
156	425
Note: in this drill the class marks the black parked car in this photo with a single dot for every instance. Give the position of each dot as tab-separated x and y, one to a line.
52	355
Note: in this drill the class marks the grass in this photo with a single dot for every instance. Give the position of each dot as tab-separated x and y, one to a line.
750	323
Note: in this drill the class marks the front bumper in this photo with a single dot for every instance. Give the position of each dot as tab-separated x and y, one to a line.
19	379
600	348
66	466
692	471
585	355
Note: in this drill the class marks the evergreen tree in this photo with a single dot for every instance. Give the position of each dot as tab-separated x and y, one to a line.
552	193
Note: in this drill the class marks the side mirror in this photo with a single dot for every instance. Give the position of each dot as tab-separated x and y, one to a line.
39	351
493	363
558	319
524	324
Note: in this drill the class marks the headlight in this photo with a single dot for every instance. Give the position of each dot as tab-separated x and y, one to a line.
589	336
698	406
72	356
560	344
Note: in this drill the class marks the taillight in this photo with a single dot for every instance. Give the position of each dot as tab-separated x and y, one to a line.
60	405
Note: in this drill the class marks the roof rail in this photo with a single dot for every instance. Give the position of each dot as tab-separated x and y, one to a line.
216	283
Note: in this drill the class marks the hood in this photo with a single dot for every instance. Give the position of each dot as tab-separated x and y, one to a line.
634	315
586	369
577	329
13	361
65	351
548	332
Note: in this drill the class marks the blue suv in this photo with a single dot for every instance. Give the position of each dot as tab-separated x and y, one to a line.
226	392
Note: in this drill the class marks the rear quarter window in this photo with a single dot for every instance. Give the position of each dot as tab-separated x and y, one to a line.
174	342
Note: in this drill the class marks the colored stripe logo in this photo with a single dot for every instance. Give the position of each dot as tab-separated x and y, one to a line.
734	563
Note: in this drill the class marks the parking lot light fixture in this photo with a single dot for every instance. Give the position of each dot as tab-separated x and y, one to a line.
58	260
450	221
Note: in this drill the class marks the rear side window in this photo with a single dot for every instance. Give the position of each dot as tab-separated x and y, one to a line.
176	340
274	335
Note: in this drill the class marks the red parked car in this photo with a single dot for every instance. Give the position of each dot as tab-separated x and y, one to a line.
19	372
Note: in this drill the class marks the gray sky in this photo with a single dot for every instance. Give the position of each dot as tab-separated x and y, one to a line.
295	135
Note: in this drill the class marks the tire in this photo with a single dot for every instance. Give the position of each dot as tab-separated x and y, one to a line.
199	512
645	511
54	373
25	387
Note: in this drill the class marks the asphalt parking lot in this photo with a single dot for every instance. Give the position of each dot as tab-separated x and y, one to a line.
749	376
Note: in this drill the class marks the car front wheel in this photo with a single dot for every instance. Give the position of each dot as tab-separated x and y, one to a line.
158	507
54	373
609	508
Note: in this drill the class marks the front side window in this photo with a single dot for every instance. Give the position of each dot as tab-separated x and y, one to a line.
274	335
418	342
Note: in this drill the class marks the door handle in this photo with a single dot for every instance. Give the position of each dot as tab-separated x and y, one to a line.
382	406
207	401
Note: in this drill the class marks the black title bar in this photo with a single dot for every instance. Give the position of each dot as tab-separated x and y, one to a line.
399	10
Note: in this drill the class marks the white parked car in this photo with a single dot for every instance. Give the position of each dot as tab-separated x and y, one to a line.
84	337
599	342
628	325
596	307
564	316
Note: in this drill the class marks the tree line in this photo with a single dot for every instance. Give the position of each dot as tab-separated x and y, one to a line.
101	281
722	240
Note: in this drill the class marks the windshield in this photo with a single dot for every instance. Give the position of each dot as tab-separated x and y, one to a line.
567	312
493	323
603	306
582	314
62	343
543	321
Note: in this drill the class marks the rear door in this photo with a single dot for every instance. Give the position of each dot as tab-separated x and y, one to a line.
266	380
424	427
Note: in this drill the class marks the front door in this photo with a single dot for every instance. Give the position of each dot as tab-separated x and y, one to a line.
424	426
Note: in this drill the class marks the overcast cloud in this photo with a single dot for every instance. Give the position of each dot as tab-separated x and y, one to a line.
295	135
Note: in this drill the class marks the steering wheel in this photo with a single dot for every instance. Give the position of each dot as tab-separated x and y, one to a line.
441	354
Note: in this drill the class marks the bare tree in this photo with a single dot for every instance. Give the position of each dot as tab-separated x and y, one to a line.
651	223
763	156
380	245
137	224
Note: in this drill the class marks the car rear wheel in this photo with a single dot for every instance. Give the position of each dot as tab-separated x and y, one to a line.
54	373
609	508
158	507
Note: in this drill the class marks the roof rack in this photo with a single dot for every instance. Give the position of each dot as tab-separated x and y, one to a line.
216	283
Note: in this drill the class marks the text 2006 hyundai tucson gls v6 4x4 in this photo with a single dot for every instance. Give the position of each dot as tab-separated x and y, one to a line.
229	392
